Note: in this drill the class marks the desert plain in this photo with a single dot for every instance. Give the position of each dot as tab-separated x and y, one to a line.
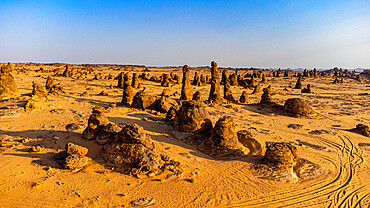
36	125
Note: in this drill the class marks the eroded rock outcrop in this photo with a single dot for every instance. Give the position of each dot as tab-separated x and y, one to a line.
244	98
223	141
297	107
362	129
192	117
74	157
214	94
134	150
186	90
8	87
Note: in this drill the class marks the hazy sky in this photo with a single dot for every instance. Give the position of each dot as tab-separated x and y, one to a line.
256	33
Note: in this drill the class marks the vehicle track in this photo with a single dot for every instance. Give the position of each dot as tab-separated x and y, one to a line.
344	190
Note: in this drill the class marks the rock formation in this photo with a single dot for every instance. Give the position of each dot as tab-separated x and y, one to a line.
362	129
214	94
134	150
73	157
223	141
52	87
247	139
96	122
135	81
298	85
186	90
257	89
297	107
244	98
38	89
266	97
8	87
164	104
166	80
197	96
283	156
143	101
228	95
128	95
306	90
192	117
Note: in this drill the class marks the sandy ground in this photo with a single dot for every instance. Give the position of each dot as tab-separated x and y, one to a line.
34	180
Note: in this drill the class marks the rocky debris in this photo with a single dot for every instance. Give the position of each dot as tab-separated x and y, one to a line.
186	90
197	96
38	89
8	87
166	80
283	156
37	148
192	117
306	90
67	72
128	95
297	107
74	126
31	104
266	97
142	100
96	122
244	98
223	141
164	104
257	89
106	132
246	138
362	129
295	126
52	87
103	93
298	85
73	157
135	81
214	94
228	95
134	150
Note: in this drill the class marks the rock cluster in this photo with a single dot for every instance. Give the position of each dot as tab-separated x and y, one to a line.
297	107
53	87
74	157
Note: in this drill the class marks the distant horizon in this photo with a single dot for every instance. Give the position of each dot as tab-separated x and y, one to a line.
263	34
219	66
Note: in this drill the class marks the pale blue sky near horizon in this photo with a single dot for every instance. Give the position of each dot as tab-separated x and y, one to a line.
264	34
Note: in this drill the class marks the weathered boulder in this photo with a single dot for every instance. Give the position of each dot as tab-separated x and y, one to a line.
132	148
297	107
164	104
306	90
142	100
170	116
247	139
76	149
362	129
53	87
223	141
96	121
282	155
106	132
192	117
73	157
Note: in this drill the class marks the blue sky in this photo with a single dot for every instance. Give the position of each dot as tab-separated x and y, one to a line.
258	33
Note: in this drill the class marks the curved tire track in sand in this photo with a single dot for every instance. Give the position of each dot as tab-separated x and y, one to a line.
337	192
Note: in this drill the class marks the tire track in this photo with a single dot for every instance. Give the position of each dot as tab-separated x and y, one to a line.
337	191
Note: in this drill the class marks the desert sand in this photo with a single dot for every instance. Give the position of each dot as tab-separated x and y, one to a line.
35	179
